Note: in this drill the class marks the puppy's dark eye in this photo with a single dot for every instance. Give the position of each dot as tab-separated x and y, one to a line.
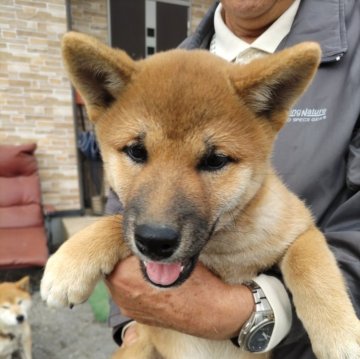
137	152
213	162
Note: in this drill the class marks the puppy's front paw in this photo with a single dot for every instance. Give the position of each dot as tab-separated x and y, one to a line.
68	280
341	346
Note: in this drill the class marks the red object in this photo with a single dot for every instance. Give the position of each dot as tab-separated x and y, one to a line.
23	240
78	99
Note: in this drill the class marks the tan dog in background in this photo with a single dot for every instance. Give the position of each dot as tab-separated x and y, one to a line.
186	141
15	332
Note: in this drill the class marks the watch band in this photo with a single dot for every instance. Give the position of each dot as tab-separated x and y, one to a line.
255	334
261	302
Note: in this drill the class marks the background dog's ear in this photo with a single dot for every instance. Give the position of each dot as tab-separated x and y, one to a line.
24	284
97	71
271	85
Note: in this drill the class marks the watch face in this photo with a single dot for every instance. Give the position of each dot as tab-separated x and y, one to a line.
259	339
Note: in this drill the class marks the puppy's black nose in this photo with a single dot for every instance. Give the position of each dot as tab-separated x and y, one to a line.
156	242
20	318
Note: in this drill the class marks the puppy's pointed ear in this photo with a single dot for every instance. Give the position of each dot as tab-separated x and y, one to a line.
97	71
24	284
271	85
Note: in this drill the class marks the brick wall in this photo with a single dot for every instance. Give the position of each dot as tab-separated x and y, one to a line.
35	96
198	10
90	17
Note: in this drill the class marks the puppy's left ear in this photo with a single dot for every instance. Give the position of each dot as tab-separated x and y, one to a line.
24	284
97	71
270	86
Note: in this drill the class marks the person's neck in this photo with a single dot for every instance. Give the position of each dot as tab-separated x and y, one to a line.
250	28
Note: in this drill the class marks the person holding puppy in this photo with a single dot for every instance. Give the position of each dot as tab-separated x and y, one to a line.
317	154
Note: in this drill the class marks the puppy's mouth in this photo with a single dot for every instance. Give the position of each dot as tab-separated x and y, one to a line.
166	275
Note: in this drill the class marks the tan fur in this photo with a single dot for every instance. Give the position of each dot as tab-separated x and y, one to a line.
15	301
181	105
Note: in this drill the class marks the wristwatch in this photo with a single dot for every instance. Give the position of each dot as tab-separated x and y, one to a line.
256	333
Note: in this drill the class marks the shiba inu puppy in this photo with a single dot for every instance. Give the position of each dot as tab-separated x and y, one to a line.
186	140
15	332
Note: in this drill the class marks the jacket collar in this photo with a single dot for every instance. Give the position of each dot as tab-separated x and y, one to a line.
316	20
322	22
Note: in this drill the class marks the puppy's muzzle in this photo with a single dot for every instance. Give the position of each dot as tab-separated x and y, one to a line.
156	242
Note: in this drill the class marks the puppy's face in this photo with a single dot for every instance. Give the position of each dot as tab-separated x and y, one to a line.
15	302
185	138
182	154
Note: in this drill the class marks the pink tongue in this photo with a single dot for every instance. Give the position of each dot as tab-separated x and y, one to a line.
163	273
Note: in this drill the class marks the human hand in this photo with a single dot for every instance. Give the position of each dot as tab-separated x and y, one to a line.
203	306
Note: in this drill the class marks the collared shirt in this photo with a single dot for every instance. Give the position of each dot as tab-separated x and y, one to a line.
231	48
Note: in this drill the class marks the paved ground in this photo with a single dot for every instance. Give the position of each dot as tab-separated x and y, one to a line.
68	333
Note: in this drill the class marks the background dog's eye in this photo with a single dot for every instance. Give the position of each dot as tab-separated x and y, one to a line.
213	162
137	152
5	307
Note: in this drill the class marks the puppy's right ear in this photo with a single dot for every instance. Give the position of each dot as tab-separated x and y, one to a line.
24	283
97	71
